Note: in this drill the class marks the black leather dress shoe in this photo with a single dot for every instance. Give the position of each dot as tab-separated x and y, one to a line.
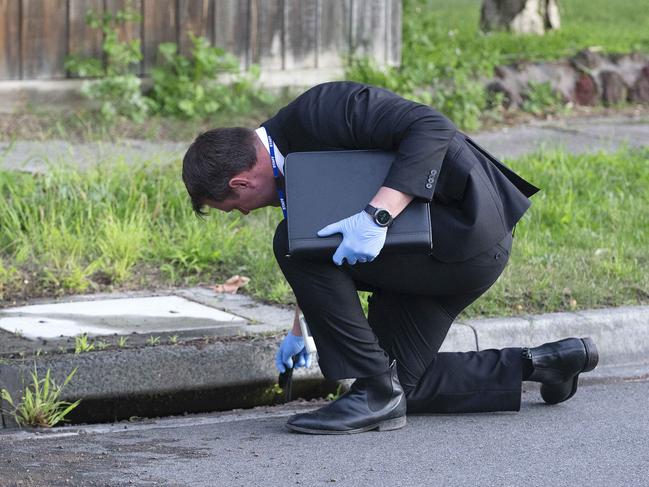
371	403
557	366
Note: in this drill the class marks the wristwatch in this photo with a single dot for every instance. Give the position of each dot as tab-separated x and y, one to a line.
381	216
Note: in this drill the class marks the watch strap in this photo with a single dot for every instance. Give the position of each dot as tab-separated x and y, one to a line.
371	209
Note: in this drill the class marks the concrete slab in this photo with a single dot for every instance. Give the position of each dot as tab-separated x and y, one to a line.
35	327
141	315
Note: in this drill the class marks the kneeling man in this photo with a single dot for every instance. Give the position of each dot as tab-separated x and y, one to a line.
393	353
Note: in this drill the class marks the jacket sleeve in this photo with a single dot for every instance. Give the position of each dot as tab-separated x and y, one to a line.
355	116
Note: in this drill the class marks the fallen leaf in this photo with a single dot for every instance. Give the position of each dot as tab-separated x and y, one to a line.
232	285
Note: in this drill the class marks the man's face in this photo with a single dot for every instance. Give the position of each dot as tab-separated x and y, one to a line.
244	203
252	189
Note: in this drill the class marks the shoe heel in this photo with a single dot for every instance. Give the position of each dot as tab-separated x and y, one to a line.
392	424
592	355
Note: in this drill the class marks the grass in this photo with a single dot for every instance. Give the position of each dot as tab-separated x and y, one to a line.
446	58
581	245
619	26
40	404
82	344
82	124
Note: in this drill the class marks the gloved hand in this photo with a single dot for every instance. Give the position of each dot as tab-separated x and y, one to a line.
292	345
362	241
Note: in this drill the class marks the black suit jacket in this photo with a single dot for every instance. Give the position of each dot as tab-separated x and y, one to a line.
475	199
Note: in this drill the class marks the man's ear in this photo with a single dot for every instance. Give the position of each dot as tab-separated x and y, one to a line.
239	182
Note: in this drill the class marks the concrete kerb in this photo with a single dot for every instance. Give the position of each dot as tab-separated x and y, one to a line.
621	334
237	363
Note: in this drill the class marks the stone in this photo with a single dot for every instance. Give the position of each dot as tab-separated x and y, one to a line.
512	98
614	89
640	89
587	60
586	91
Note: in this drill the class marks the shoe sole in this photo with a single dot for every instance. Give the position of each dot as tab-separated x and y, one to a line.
592	358
387	425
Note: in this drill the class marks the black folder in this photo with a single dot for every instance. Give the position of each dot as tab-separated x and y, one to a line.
324	187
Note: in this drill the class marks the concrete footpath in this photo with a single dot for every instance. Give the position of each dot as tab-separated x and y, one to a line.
579	135
160	353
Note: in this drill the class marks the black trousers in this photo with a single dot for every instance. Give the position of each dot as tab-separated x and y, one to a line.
414	300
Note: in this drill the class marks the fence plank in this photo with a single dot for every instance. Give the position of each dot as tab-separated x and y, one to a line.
334	32
159	26
82	39
43	38
130	30
368	29
35	35
300	33
394	33
9	39
232	28
267	40
194	16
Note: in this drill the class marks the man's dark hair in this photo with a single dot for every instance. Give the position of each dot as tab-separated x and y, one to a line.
213	159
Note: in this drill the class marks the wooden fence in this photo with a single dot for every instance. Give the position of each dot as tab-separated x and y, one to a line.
37	35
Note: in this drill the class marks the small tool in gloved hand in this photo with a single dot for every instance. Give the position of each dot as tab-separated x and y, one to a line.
285	380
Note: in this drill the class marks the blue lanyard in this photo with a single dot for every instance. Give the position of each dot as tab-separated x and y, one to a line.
280	191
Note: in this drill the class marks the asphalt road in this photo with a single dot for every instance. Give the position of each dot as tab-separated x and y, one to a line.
600	437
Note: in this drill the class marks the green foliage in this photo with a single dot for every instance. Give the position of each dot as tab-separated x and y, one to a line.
121	243
184	87
153	341
40	405
118	89
582	243
541	98
438	67
8	275
188	87
584	232
445	57
82	344
333	396
271	394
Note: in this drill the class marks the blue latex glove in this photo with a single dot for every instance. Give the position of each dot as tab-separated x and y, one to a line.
292	345
362	241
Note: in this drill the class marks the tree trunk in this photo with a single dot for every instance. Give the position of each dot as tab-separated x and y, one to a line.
520	16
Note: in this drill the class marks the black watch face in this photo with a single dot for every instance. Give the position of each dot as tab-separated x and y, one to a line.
382	217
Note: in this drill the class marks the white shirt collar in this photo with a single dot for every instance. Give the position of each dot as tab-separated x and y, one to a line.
263	136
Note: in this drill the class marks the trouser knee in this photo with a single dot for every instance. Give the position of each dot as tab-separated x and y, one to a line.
280	243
